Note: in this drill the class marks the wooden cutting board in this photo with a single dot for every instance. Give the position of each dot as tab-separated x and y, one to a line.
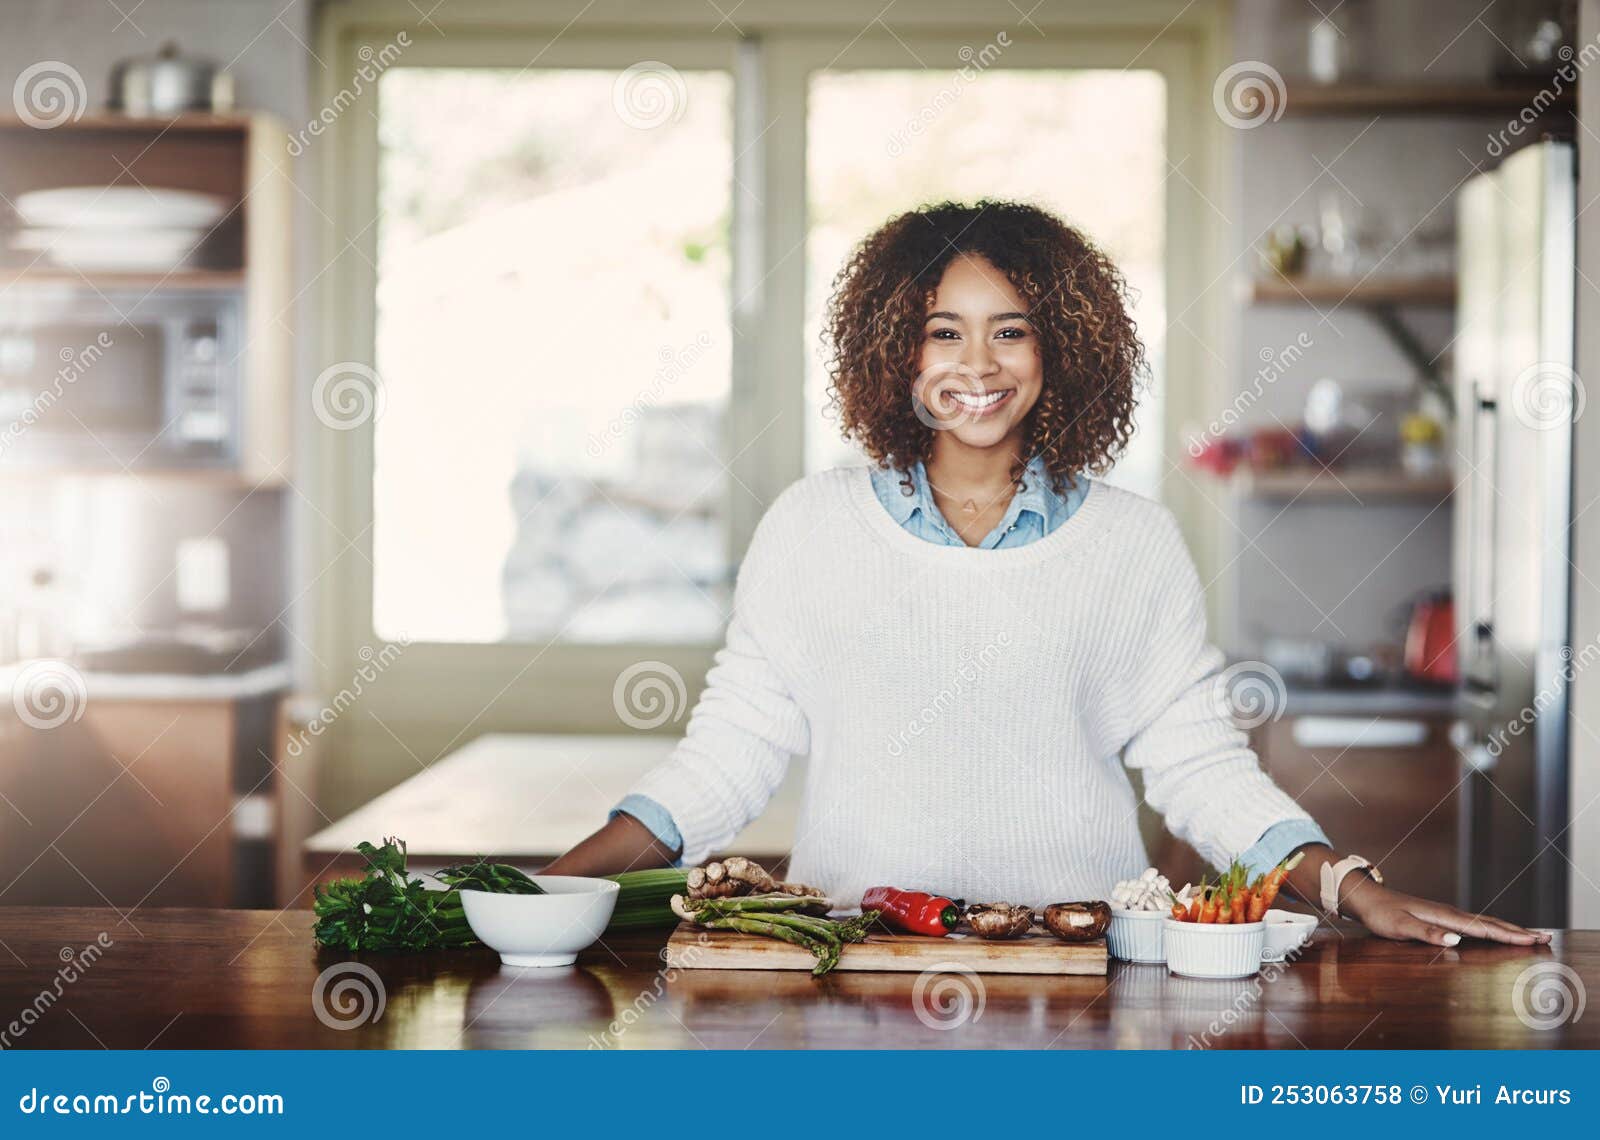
691	948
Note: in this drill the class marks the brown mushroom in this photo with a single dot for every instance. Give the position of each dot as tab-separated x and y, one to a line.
999	920
1078	921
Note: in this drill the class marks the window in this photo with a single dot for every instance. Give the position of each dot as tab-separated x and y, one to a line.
552	336
597	339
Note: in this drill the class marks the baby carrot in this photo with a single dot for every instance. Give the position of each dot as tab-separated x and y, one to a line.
1240	900
1208	909
1225	910
1179	911
1272	884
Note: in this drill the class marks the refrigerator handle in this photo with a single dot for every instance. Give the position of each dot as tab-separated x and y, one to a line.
1473	801
1479	667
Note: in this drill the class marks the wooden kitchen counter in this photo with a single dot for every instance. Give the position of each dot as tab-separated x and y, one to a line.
244	979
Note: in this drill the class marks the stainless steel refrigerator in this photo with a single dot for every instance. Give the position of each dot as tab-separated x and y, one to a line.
1516	399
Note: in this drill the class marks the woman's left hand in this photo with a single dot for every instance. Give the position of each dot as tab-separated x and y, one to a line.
1390	914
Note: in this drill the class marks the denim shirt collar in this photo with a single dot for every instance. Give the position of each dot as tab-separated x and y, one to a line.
1036	496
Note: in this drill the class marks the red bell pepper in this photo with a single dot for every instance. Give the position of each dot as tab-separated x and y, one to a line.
915	912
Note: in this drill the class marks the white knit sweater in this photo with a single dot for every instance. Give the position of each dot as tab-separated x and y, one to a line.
967	713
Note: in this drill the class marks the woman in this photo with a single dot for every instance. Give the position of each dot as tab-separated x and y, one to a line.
970	639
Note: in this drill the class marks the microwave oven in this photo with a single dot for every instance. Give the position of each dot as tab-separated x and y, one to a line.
121	379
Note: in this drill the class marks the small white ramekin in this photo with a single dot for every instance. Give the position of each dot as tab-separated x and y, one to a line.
1207	950
1287	931
1135	935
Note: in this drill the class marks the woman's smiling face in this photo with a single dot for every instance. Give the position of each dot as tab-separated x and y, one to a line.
979	372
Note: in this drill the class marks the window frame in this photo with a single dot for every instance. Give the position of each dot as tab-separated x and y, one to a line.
436	697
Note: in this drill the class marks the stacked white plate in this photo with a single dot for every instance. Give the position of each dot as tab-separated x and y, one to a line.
126	228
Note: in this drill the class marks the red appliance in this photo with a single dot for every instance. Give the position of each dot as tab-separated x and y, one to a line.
1430	653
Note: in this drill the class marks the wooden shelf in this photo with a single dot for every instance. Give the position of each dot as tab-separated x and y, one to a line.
1353	486
135	124
225	479
1419	99
1439	292
107	279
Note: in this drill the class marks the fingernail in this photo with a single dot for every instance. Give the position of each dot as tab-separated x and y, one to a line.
1452	939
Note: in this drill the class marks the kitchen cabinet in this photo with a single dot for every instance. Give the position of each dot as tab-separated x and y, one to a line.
1386	786
183	799
1395	803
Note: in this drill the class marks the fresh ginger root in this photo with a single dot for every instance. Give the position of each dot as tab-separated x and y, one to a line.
726	878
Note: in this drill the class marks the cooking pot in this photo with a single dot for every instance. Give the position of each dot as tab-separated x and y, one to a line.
168	83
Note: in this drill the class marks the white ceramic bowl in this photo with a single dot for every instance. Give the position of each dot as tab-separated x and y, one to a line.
1135	935
1205	950
542	930
1286	933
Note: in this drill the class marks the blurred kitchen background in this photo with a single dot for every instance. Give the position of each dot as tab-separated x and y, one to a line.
387	393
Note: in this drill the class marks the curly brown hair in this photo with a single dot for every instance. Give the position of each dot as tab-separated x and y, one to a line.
1092	358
